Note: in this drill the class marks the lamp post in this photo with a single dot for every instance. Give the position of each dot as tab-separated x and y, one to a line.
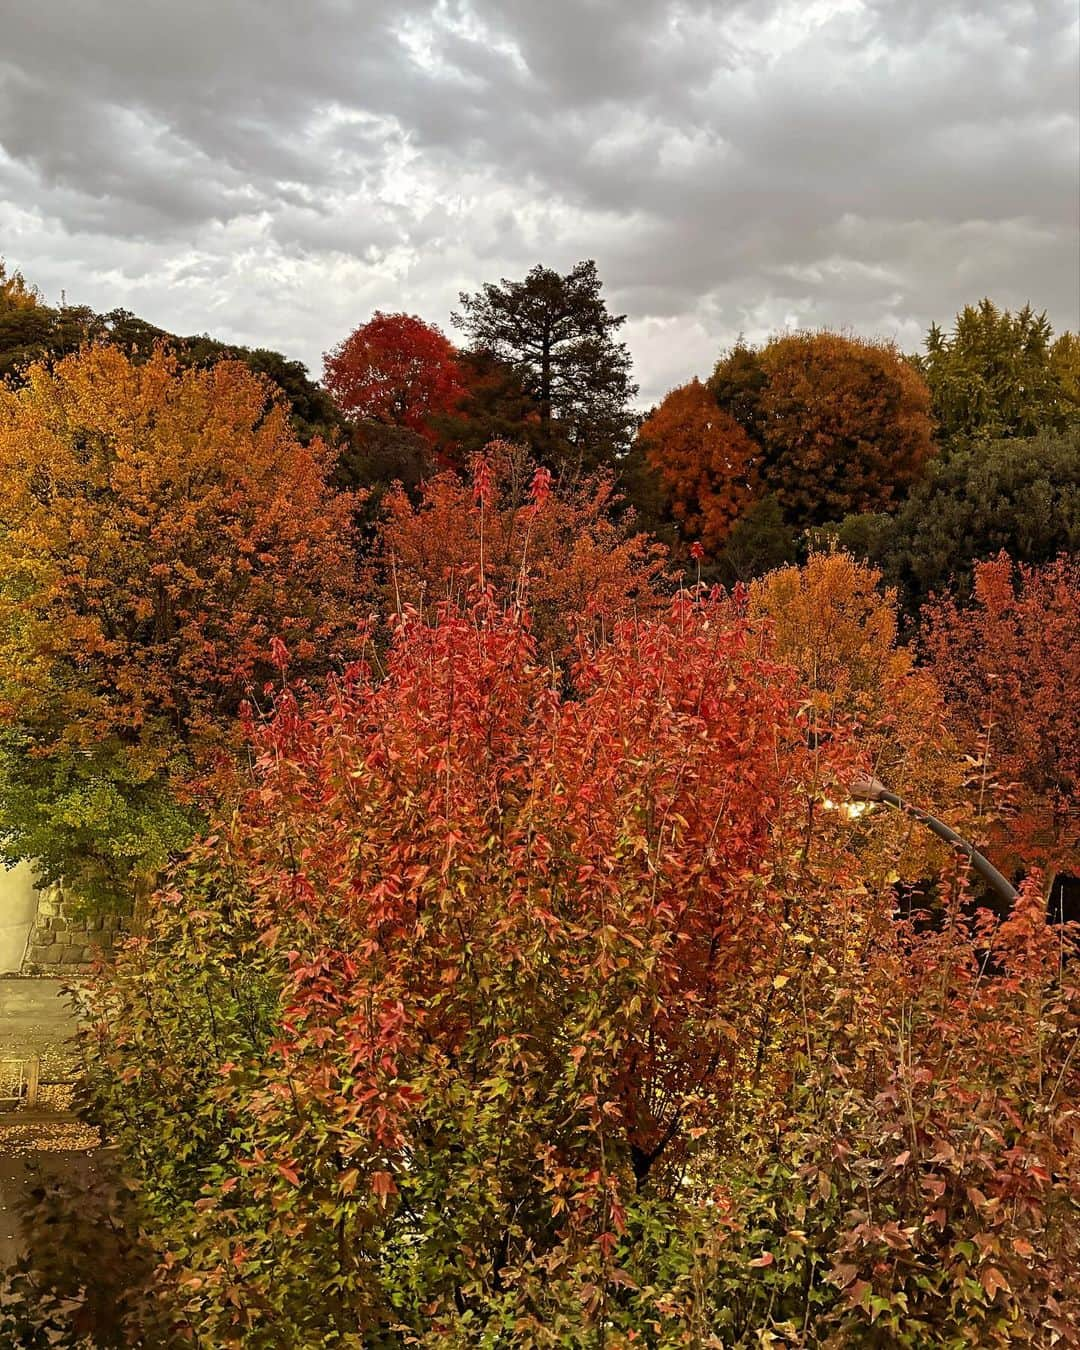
866	788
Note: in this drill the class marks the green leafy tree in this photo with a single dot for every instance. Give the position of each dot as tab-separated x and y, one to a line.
999	375
556	334
760	541
377	460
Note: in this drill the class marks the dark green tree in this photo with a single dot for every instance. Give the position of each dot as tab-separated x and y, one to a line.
1022	496
738	383
556	334
999	375
34	331
761	541
495	407
375	458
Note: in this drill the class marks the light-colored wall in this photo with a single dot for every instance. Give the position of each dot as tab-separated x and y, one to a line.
18	910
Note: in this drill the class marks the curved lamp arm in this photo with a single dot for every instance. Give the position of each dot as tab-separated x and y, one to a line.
868	789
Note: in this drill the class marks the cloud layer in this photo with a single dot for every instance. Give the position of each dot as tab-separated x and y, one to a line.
272	172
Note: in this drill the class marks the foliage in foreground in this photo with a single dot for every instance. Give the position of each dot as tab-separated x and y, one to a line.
509	1015
552	550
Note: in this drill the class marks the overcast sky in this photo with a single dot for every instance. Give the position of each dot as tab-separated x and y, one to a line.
271	171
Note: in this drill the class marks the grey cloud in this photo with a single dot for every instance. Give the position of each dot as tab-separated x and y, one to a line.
282	169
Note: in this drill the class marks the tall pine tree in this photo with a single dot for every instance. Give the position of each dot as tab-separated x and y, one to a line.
556	333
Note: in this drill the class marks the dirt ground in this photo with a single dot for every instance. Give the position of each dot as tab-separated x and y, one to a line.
20	1172
36	1019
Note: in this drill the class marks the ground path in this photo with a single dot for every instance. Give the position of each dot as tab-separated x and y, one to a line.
37	1019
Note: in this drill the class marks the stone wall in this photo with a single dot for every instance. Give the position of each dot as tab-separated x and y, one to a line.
64	935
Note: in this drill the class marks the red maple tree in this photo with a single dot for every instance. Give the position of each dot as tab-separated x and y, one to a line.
395	369
1009	666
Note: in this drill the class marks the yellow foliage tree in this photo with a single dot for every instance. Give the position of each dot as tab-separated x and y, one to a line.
835	624
162	530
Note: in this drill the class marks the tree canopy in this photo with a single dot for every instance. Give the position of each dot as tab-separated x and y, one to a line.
1021	496
998	375
395	369
163	528
38	332
842	424
703	462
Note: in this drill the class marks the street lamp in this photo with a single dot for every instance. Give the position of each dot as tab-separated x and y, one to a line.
866	788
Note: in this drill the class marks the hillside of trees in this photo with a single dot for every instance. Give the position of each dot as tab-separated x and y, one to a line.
515	958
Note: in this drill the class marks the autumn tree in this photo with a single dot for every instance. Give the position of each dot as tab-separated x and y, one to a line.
703	464
505	959
839	627
163	528
1009	665
842	424
999	375
395	369
556	333
553	549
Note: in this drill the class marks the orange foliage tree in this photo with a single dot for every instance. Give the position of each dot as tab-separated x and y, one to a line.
162	529
1009	665
838	627
395	369
555	551
843	424
704	461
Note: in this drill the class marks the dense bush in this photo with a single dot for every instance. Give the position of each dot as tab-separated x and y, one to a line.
509	1014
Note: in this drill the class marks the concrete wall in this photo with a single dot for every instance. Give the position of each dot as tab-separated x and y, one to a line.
18	911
